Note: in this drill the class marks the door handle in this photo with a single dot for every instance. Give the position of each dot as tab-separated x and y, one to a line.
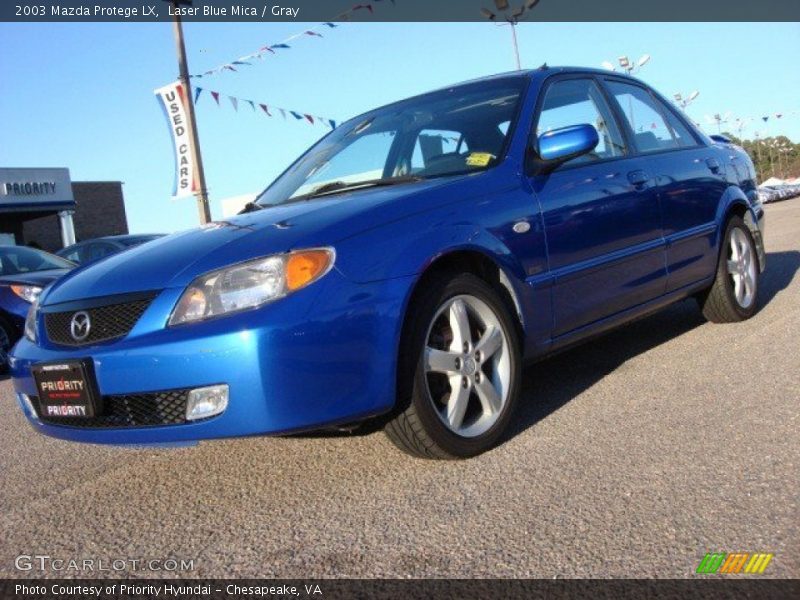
638	178
713	165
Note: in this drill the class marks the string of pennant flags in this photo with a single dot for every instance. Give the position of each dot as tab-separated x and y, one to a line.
273	49
269	110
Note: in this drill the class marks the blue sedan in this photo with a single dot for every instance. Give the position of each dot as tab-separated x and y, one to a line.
405	268
24	272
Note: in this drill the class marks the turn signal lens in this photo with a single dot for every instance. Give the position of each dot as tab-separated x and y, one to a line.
304	267
29	293
192	306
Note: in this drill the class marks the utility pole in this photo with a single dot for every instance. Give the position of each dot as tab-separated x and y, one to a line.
512	18
203	208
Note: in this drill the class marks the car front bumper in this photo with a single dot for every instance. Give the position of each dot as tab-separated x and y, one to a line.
323	356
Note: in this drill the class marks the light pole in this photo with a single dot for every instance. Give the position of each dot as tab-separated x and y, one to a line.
625	63
630	68
512	18
684	101
719	120
183	76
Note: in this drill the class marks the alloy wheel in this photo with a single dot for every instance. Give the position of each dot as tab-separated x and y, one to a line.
742	267
467	365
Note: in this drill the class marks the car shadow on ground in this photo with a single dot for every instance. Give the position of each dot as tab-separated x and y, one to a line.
550	384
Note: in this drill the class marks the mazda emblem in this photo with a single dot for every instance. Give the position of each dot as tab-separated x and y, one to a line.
80	326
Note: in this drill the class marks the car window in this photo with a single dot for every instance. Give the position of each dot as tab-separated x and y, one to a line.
650	130
406	141
363	159
20	259
679	130
576	102
433	146
73	255
101	250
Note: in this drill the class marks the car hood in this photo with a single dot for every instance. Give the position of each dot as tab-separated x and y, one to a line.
175	260
39	278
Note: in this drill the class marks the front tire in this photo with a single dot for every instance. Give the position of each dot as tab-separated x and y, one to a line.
733	296
7	338
458	371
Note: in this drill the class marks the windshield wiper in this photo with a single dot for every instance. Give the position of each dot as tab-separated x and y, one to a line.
335	187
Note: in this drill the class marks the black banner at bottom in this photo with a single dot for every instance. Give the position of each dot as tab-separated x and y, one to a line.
393	589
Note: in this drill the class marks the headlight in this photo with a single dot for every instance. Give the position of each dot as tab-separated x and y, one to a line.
30	321
29	293
250	284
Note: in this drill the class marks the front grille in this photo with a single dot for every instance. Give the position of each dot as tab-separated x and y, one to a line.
130	410
107	322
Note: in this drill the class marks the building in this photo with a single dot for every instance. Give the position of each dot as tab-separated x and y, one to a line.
46	209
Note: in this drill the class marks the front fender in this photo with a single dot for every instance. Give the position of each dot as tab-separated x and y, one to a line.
409	247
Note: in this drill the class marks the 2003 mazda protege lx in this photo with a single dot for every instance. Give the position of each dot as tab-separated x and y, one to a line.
405	266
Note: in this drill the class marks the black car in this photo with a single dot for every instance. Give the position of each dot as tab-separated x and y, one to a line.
91	250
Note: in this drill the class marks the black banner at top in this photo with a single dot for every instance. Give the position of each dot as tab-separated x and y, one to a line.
398	10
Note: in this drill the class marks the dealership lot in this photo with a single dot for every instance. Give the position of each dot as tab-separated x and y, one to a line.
634	455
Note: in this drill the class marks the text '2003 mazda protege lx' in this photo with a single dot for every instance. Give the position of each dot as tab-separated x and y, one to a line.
405	267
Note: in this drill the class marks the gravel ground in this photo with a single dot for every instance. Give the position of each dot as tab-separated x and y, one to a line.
633	456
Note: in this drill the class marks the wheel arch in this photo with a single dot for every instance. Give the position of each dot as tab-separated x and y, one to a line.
482	264
735	202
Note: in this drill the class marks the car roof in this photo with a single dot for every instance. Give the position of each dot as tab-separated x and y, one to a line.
540	73
531	74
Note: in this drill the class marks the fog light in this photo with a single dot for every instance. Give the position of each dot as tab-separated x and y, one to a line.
27	405
206	402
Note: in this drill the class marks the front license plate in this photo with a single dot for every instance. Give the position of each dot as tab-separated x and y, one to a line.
66	389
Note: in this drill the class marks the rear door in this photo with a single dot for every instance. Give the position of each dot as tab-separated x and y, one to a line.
601	213
690	177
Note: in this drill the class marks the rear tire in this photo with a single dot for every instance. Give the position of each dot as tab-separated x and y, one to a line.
733	296
458	370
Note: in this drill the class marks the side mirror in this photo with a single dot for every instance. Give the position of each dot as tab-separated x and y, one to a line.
556	147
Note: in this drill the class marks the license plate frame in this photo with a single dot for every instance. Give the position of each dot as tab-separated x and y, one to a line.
66	389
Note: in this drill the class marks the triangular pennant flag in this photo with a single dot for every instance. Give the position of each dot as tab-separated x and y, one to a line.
197	92
240	62
297	116
283	112
252	105
265	108
314	33
215	95
230	68
765	119
331	25
778	115
280	46
333	123
235	102
309	118
267	48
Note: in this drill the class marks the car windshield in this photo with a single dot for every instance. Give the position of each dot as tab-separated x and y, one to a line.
453	131
15	260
